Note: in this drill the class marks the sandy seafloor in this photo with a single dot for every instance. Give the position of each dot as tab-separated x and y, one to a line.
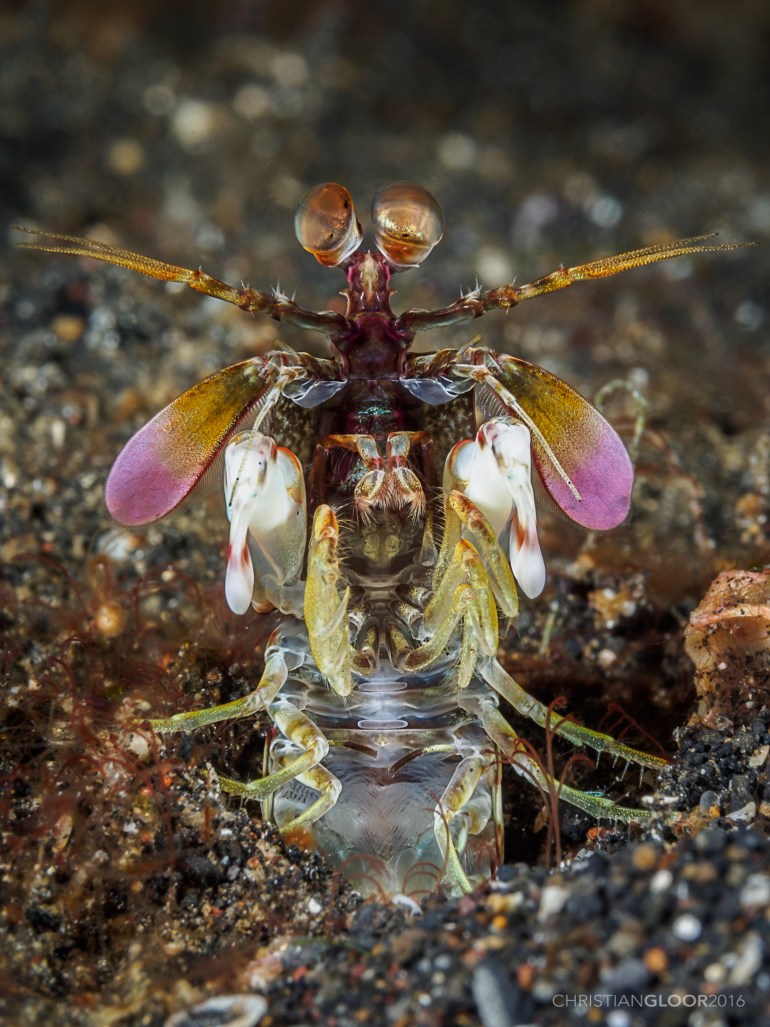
553	132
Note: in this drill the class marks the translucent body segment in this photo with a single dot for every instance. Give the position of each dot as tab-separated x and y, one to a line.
265	497
169	455
382	832
494	473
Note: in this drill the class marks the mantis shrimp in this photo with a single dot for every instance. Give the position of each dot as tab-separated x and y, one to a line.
382	512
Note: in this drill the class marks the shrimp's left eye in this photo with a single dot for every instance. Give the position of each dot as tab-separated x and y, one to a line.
326	224
408	222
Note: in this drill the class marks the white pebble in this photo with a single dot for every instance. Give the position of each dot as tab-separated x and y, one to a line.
225	1010
747	812
139	745
193	122
750	951
605	211
457	151
687	927
552	900
618	1018
408	903
749	315
756	891
661	882
759	756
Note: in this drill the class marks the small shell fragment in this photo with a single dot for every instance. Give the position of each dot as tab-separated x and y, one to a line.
222	1011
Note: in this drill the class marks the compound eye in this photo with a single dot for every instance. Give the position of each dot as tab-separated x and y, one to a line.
326	224
408	222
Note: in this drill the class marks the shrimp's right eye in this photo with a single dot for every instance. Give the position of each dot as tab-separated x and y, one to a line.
408	223
326	224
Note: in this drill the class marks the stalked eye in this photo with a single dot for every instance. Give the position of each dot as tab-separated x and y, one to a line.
408	222
326	224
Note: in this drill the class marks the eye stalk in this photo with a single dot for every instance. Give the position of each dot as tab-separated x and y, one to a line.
326	224
408	222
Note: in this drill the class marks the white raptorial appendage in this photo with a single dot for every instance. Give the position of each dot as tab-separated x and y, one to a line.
265	499
494	472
